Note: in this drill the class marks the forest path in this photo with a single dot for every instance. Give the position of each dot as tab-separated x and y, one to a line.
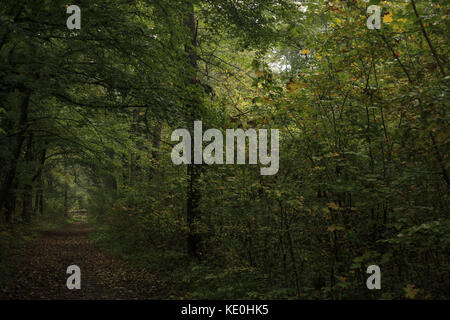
42	275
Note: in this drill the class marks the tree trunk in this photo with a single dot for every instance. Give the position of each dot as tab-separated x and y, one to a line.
10	203
27	199
109	180
193	171
156	144
66	200
37	210
5	189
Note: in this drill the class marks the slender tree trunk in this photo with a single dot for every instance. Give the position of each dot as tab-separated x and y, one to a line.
156	144
10	203
109	180
193	170
66	200
27	199
136	169
37	210
37	198
41	208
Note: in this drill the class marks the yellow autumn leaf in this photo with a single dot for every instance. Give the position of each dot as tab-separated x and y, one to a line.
294	86
411	291
398	29
333	205
387	18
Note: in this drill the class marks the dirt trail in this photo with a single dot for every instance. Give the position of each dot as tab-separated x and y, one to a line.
103	276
